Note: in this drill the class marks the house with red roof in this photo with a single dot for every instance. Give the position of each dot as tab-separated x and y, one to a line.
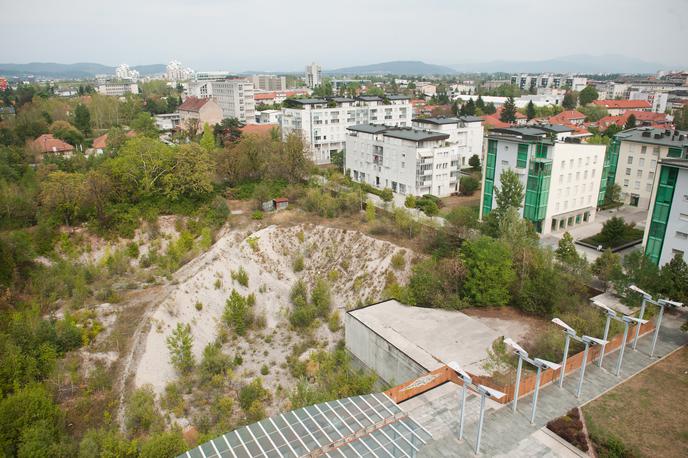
567	117
493	122
258	129
642	118
101	142
199	111
619	107
47	144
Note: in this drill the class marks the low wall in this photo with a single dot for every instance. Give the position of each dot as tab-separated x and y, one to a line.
444	374
388	362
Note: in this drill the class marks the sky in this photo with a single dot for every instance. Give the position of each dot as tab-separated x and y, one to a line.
285	35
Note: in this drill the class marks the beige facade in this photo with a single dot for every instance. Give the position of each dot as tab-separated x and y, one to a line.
208	113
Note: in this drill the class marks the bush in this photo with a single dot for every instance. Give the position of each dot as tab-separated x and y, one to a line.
237	313
468	185
180	344
241	276
297	264
214	362
199	306
570	428
141	415
303	313
474	162
410	201
264	369
167	444
251	393
321	298
399	260
334	322
257	215
387	195
133	250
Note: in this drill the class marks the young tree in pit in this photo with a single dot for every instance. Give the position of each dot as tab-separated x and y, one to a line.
180	343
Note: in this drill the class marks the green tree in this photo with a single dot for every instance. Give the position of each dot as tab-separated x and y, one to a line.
237	313
480	104
82	118
607	266
530	110
63	194
630	122
566	250
490	109
587	95
321	298
191	174
510	194
468	109
508	113
489	271
208	138
141	414
141	166
468	185
593	113
674	279
474	162
612	195
386	195
569	102
144	124
337	159
180	346
164	445
613	231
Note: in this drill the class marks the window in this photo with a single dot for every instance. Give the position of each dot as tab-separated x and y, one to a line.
561	179
648	187
592	173
505	163
651	175
626	183
636	185
641	162
674	252
630	160
522	157
585	175
681	235
655	150
643	150
683	216
628	172
563	164
577	176
674	152
639	174
403	164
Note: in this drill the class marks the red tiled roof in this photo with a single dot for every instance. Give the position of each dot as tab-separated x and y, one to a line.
101	142
628	104
265	96
193	104
566	116
280	200
258	129
46	143
493	121
649	116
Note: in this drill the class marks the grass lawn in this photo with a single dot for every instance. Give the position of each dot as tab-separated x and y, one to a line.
629	236
648	413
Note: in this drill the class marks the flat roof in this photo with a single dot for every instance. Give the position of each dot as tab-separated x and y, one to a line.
370	98
471	118
437	120
341	99
672	140
675	162
556	128
403	133
523	131
398	97
430	337
306	101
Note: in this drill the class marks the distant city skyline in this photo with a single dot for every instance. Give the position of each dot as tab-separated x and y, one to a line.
285	36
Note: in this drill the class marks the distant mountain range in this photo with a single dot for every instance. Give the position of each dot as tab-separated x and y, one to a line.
410	67
579	63
78	70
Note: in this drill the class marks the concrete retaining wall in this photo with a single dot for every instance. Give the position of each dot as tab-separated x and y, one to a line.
387	361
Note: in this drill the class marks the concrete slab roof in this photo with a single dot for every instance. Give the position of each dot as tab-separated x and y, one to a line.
430	337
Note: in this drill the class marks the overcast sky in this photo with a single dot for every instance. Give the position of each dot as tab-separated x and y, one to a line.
287	34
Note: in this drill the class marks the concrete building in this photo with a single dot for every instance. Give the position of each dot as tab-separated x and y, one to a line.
269	82
167	121
619	107
175	71
527	82
123	72
118	89
234	96
268	116
561	180
313	75
322	123
47	144
199	111
465	131
666	235
633	156
409	161
658	100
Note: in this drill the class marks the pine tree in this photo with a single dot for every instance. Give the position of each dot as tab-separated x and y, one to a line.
480	104
630	122
508	113
180	343
530	110
470	108
82	118
566	250
510	194
569	102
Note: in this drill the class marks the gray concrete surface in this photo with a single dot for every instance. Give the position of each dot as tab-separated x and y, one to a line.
429	337
512	435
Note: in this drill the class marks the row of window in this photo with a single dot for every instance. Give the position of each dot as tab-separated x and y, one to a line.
580	162
578	176
641	162
636	185
639	173
581	201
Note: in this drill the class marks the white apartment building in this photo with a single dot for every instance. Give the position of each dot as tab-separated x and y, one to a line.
322	123
528	82
234	96
118	89
409	161
465	131
313	75
175	71
658	100
561	180
269	82
666	233
633	158
123	72
268	116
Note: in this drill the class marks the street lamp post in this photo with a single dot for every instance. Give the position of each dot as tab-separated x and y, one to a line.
484	392
662	303
646	298
611	314
570	332
587	340
627	320
466	381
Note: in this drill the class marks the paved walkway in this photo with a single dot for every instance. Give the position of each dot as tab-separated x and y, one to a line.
508	434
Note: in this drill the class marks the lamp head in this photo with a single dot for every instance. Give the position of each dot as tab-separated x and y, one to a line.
510	342
640	291
453	365
491	392
544	364
594	340
671	303
564	326
608	310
